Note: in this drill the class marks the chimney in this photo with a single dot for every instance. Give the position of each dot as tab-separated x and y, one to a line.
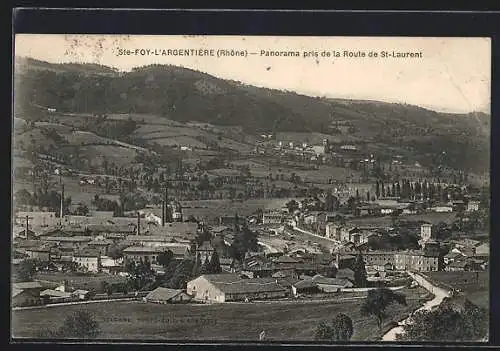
163	212
27	226
165	197
61	214
338	260
138	223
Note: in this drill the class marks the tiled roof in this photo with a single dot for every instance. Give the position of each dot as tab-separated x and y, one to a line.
305	284
87	253
330	281
163	294
28	285
78	238
54	293
176	250
233	284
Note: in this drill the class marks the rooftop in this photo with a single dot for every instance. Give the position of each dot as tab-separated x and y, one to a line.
163	294
233	284
27	285
176	250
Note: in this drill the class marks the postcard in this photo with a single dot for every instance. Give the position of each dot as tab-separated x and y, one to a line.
250	188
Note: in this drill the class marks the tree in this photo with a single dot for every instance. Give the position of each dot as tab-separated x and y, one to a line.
378	300
292	205
115	252
165	258
331	202
205	268
80	324
214	266
27	270
195	273
360	275
324	331
447	324
340	329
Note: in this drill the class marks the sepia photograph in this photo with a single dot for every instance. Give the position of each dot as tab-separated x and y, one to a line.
250	188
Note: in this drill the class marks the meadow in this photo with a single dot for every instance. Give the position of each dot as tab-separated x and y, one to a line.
474	285
282	321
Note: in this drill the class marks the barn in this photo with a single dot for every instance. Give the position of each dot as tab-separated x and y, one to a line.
232	287
164	295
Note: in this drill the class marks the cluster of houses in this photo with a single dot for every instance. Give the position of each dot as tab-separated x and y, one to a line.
86	240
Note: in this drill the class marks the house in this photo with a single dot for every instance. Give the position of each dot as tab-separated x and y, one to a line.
26	293
89	259
345	273
227	264
472	206
272	217
416	260
329	285
483	250
231	287
220	230
152	241
51	296
41	253
164	295
148	253
80	294
205	250
458	266
379	257
452	256
75	242
332	231
28	235
442	208
101	245
305	286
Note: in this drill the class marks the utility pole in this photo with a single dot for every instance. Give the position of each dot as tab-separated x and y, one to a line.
27	227
61	213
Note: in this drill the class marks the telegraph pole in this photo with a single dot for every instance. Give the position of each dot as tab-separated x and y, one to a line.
61	213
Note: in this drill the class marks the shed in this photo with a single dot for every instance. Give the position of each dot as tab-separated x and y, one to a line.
165	295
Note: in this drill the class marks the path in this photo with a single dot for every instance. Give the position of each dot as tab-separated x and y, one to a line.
439	295
268	247
71	303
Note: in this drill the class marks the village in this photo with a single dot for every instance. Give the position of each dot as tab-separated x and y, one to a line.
308	248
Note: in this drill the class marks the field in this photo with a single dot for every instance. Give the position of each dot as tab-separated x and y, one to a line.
216	208
386	221
282	321
475	290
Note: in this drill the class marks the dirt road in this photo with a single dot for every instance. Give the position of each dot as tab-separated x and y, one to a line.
439	295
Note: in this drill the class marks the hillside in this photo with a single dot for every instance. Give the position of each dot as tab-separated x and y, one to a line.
184	95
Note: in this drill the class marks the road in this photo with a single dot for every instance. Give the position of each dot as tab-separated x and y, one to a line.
439	295
70	303
268	248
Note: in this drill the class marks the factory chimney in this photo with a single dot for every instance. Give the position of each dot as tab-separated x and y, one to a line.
27	227
138	223
61	213
163	212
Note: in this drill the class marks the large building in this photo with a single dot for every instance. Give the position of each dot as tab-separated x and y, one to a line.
379	258
417	261
231	287
90	259
150	253
272	218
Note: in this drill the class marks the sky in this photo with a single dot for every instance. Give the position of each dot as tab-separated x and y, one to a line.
452	74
